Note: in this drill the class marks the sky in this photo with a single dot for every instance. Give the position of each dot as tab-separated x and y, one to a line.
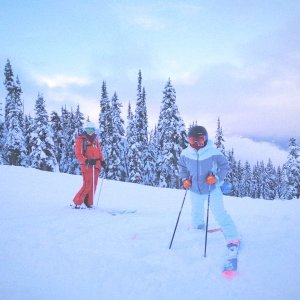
234	60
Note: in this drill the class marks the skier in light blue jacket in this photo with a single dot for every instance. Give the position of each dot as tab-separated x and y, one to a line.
203	168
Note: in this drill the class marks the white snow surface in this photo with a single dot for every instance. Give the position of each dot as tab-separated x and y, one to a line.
50	251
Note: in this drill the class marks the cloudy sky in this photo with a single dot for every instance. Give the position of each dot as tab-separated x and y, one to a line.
237	60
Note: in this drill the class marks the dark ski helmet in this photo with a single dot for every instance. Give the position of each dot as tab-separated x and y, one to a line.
198	137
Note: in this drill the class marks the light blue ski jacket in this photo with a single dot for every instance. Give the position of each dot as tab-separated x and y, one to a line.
196	166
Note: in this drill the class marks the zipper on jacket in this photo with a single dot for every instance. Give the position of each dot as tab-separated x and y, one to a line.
198	184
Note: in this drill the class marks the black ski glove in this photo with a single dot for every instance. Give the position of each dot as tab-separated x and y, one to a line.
103	164
90	162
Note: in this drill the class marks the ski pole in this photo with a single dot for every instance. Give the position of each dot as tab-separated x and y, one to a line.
177	220
207	216
100	189
93	183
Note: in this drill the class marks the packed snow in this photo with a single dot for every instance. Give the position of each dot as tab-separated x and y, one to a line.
50	251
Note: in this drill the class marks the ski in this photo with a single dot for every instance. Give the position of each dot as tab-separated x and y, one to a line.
115	212
77	206
231	262
214	230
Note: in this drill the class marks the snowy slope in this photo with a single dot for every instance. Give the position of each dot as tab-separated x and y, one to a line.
49	251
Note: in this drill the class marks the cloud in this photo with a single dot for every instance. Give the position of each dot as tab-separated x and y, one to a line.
147	22
246	149
61	81
143	16
257	96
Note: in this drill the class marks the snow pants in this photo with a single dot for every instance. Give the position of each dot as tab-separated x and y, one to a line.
86	193
216	206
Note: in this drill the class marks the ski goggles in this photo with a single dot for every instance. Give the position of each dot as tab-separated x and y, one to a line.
90	130
198	140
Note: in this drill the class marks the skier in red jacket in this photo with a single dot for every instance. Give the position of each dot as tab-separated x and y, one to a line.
89	154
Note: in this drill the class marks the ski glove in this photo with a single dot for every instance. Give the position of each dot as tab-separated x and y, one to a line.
90	162
211	179
103	164
187	183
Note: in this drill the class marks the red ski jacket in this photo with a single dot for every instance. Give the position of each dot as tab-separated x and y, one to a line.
87	147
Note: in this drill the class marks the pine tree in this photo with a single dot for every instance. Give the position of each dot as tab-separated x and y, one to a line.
247	180
105	122
291	172
75	123
149	175
270	181
141	128
141	118
28	131
239	177
2	140
231	175
134	163
115	161
261	182
10	87
128	139
68	163
78	121
279	183
219	138
56	126
256	186
171	139
42	154
14	147
2	137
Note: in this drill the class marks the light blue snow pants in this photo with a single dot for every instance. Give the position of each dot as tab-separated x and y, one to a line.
216	206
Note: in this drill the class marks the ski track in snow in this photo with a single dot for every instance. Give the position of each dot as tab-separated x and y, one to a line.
49	251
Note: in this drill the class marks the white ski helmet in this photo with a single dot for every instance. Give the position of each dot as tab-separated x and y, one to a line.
89	127
89	124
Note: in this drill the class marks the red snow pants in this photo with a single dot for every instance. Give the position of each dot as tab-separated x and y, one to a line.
87	186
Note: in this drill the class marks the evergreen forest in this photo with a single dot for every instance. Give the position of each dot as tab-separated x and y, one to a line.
133	152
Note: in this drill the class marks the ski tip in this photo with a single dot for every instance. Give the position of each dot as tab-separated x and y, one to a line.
229	274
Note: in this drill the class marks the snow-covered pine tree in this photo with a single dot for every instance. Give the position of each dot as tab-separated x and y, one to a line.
64	135
141	118
2	137
28	130
115	160
291	172
149	174
219	138
258	180
42	154
10	87
105	122
171	139
78	120
141	129
239	177
256	185
247	180
134	164
2	140
280	183
128	139
270	181
56	126
75	123
70	126
231	175
14	147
